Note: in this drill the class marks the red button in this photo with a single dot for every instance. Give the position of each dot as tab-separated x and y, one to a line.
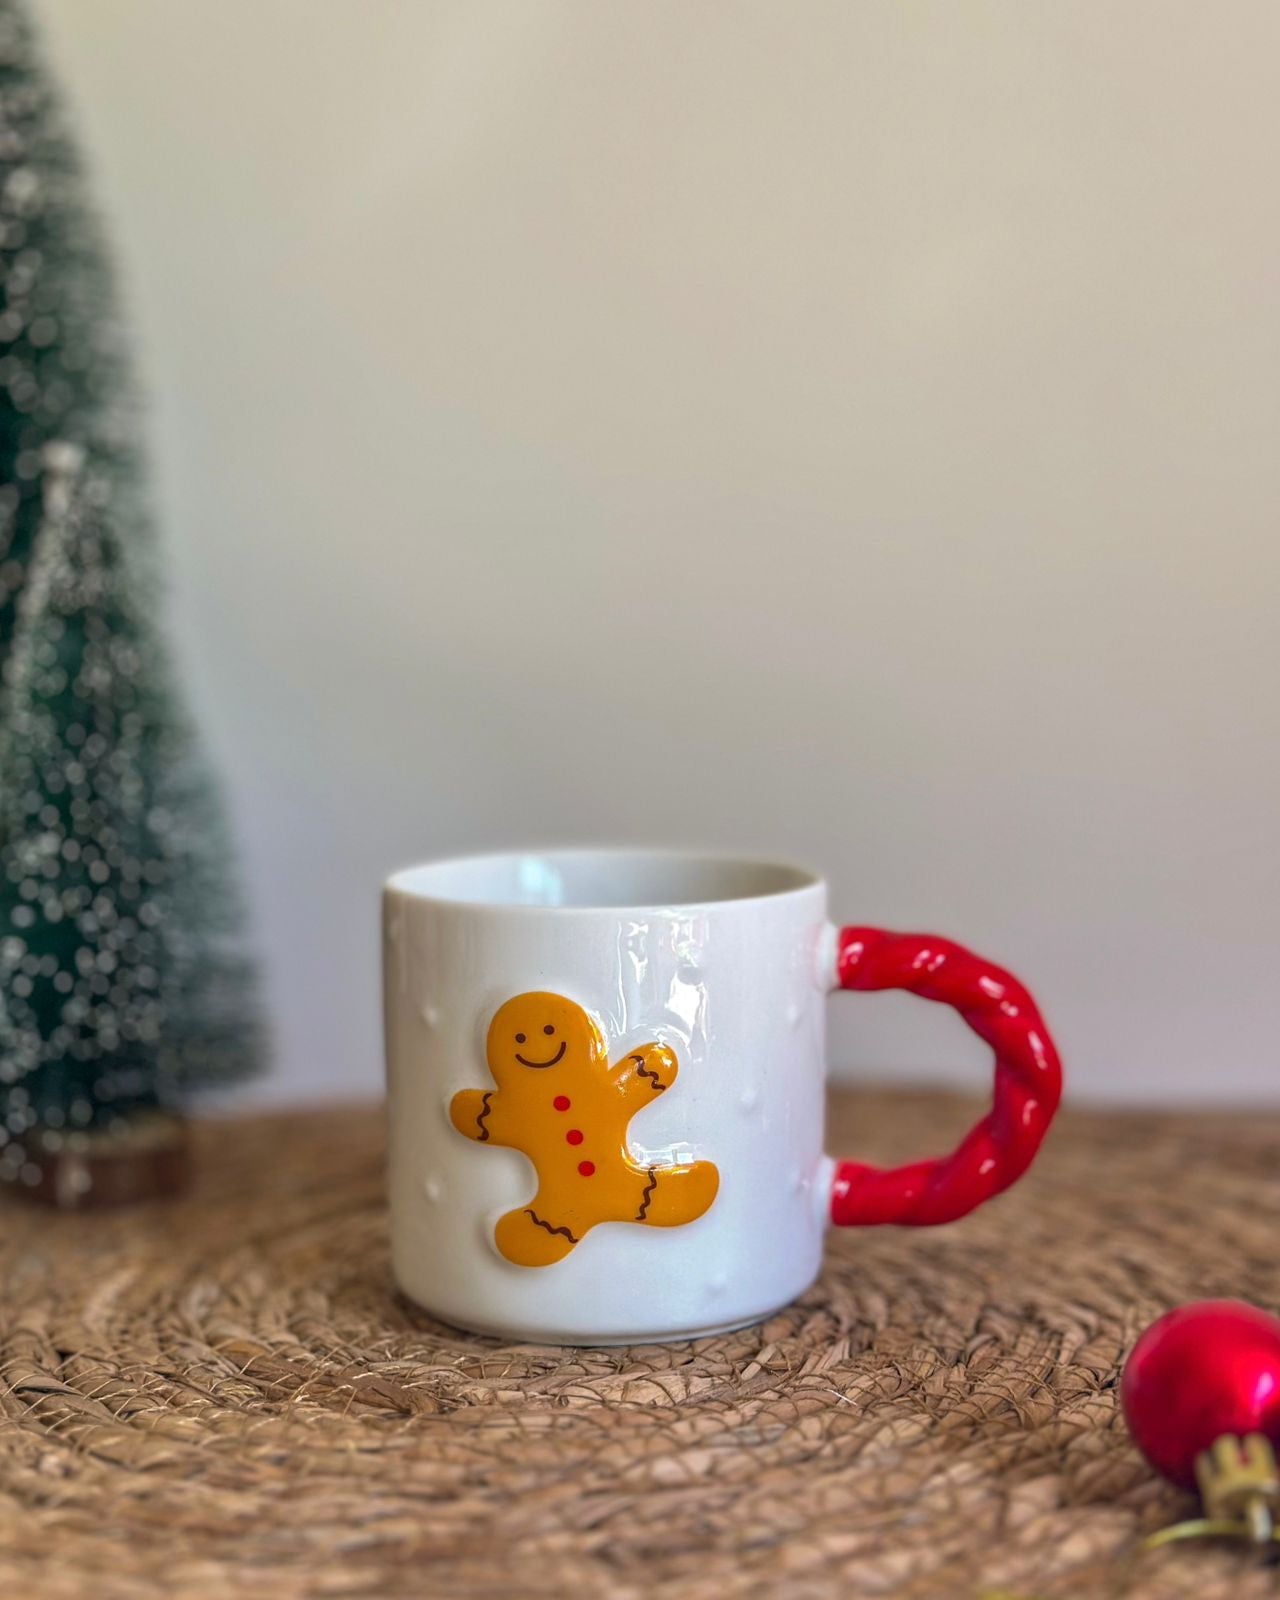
586	1168
561	1102
574	1136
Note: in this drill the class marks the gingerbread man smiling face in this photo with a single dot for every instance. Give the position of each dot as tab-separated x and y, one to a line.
561	1104
536	1032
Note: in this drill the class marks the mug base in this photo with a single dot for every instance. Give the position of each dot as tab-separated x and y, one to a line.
609	1341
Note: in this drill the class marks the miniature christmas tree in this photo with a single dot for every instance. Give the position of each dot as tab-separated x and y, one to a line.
122	987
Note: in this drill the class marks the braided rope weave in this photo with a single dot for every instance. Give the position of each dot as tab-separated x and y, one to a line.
222	1395
1028	1080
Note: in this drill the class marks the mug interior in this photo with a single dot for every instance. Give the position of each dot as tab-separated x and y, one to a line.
588	880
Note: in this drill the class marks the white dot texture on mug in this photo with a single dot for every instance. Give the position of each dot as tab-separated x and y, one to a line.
431	1188
430	1015
793	1015
749	1099
717	1284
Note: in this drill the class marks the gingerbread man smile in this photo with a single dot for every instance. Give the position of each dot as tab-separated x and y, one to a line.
572	1125
539	1065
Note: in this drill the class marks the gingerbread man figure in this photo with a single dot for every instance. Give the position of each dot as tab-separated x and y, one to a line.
560	1103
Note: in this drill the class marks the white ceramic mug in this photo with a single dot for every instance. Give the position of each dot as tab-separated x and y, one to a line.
606	1079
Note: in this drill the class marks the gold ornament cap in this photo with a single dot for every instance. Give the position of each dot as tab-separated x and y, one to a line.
1239	1482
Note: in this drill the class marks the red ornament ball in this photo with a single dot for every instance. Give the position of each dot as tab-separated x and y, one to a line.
1199	1372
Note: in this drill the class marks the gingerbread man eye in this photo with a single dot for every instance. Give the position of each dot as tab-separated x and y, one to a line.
519	1038
548	1029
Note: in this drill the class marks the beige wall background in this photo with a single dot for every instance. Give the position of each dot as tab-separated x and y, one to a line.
846	431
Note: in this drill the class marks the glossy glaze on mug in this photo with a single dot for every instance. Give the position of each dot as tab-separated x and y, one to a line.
715	1190
735	987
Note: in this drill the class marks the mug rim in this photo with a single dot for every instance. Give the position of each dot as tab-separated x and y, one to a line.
543	870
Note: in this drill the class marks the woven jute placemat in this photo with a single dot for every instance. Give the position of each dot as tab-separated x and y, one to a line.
225	1396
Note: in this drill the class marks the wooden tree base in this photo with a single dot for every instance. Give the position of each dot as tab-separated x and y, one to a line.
146	1158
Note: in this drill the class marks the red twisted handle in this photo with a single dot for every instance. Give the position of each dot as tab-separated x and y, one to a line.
1028	1080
